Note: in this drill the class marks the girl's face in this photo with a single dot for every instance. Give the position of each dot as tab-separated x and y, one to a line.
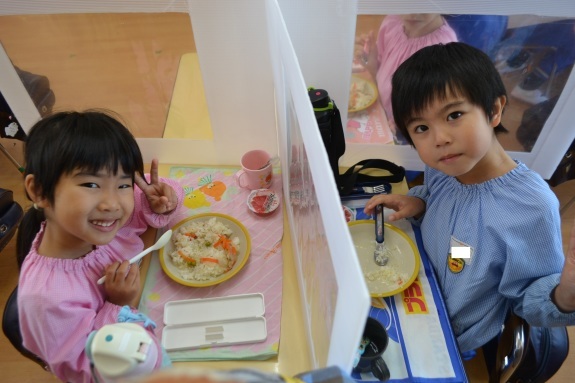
456	138
88	210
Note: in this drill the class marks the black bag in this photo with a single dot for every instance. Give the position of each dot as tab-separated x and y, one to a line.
331	130
356	176
330	126
10	216
38	87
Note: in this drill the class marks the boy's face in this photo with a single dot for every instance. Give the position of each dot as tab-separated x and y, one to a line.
88	209
456	138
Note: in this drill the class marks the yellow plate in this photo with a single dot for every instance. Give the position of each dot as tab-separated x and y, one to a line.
361	87
403	260
238	230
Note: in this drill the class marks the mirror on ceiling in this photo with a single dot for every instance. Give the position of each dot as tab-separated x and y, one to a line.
534	55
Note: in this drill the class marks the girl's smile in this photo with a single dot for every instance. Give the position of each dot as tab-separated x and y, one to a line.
88	210
105	226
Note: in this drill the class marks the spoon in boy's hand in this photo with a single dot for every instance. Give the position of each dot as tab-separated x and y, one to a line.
161	242
380	255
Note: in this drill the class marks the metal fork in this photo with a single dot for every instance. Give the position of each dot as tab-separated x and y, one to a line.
374	189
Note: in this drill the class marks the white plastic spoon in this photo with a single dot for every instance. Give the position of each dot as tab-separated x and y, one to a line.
161	242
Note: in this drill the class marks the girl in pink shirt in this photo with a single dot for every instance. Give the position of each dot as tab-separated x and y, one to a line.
84	174
398	38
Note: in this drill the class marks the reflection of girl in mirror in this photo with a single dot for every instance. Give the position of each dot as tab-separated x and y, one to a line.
398	38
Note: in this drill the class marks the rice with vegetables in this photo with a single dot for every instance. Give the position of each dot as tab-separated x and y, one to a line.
360	94
204	250
387	275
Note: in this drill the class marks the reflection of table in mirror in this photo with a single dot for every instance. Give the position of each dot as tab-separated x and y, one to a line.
368	126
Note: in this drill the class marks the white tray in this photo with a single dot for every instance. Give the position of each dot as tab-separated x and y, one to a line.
187	337
196	323
213	309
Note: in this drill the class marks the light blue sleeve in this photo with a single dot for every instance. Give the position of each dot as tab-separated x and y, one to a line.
533	266
421	192
538	308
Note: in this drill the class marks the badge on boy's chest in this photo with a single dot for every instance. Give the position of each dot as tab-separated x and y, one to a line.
460	254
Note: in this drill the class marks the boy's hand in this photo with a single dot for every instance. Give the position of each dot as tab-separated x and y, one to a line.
122	283
565	293
404	206
161	196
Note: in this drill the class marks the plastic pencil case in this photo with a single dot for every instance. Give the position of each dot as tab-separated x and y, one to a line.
211	322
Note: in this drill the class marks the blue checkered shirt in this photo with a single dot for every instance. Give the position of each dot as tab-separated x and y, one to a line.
512	227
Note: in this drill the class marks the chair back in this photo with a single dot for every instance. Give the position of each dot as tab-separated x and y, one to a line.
511	349
529	354
11	328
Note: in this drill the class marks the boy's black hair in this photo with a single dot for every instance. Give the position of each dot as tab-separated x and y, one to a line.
433	71
63	142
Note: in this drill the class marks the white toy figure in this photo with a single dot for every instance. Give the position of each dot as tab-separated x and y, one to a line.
120	350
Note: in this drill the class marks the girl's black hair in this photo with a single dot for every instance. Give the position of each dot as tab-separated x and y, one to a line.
434	71
63	142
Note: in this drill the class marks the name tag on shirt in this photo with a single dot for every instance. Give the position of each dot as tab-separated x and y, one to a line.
461	250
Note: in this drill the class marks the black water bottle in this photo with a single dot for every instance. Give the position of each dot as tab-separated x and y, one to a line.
330	127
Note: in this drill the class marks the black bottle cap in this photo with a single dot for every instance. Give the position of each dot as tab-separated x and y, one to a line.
319	98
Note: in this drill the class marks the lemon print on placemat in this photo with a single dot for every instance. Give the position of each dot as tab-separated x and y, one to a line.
195	198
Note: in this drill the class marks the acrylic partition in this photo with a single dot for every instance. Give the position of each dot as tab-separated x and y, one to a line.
323	34
333	293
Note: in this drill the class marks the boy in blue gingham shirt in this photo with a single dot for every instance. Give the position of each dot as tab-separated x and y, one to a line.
448	101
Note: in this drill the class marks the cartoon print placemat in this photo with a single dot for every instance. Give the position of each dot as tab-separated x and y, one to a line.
215	190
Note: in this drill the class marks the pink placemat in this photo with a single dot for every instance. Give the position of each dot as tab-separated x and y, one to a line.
368	126
215	190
